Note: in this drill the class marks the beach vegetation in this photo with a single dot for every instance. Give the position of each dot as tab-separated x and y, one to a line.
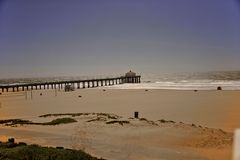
166	121
14	122
110	116
14	151
119	122
60	121
148	121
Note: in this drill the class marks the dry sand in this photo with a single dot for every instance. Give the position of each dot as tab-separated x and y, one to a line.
139	139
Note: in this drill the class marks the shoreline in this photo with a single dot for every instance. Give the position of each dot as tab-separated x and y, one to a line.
130	86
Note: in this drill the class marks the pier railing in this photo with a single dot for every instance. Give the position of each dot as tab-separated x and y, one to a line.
79	84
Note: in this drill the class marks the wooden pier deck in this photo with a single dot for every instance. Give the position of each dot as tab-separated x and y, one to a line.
79	84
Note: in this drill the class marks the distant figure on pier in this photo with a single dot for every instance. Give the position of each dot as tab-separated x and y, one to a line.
69	88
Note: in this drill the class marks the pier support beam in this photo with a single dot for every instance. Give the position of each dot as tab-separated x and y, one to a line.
97	83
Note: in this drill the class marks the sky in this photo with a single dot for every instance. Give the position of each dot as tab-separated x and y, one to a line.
86	37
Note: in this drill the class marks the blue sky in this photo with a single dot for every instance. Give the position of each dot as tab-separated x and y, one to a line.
81	37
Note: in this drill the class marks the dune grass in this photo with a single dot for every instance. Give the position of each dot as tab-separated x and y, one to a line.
119	122
60	121
14	122
35	152
107	115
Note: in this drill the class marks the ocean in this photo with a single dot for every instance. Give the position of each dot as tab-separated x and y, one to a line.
228	80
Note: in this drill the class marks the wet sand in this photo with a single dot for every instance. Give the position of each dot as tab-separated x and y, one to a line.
212	109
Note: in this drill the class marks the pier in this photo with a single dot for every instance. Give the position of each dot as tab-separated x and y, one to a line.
79	84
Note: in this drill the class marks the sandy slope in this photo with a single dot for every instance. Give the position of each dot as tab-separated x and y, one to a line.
134	139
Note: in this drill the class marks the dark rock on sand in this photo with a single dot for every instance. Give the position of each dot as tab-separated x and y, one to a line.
219	88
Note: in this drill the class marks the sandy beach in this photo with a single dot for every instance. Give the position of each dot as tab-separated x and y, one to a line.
197	125
120	79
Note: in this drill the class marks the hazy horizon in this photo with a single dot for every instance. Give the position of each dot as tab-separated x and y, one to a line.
89	37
